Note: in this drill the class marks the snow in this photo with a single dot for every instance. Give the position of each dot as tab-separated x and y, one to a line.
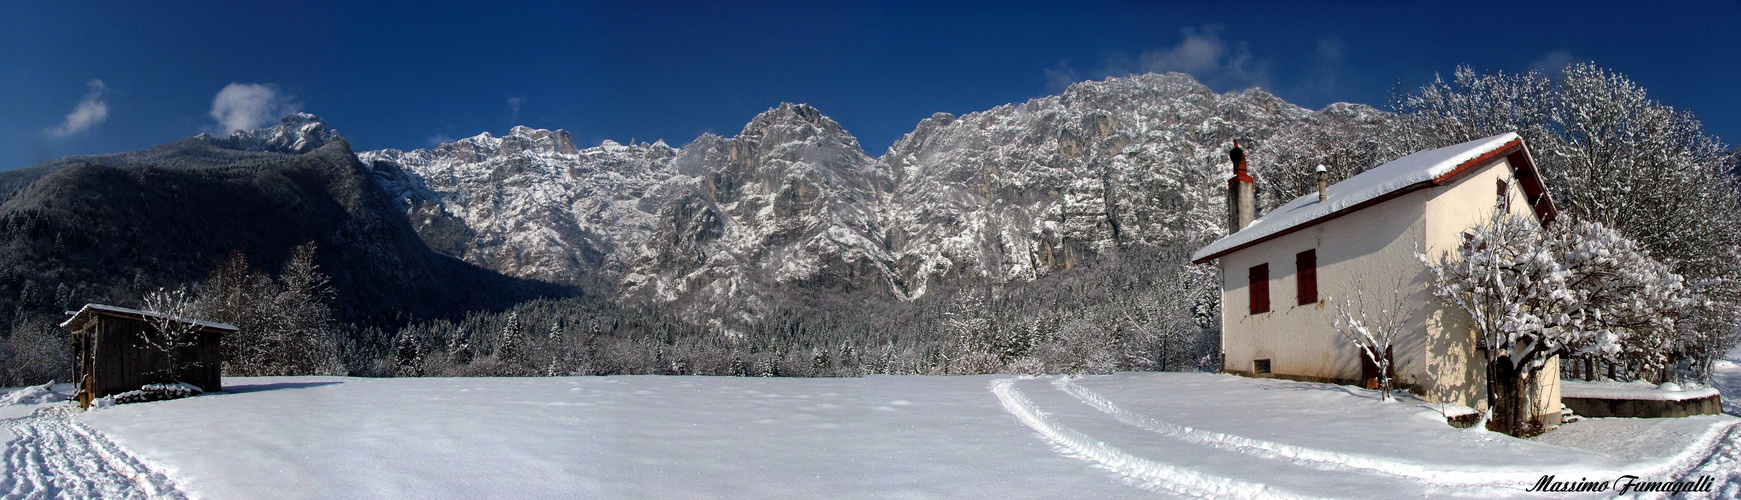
1637	390
1404	172
1126	435
32	395
83	315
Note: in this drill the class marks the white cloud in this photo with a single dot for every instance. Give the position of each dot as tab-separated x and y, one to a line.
1060	77
514	103
439	139
90	111
246	106
1330	48
1551	63
1202	53
1214	61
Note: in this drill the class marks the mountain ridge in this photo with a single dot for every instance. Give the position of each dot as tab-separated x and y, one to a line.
110	227
793	201
723	230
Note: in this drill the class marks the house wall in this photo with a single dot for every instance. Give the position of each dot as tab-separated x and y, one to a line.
1374	246
1375	249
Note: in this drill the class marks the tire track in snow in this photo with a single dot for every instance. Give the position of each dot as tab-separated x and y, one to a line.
53	456
1713	445
1723	464
1155	474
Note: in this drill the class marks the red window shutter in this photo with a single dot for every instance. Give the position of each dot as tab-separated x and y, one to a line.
1306	276
1504	201
1260	288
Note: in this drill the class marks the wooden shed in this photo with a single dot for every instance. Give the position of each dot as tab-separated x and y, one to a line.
112	351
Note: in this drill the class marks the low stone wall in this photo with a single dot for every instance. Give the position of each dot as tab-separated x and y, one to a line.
1643	408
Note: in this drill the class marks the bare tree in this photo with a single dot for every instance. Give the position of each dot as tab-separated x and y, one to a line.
1374	327
172	329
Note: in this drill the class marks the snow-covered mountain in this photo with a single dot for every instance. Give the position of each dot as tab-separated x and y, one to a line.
792	202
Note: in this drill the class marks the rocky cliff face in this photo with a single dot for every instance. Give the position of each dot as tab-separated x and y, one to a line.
1018	191
791	200
792	204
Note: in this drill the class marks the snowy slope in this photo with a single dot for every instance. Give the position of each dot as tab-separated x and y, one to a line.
1128	435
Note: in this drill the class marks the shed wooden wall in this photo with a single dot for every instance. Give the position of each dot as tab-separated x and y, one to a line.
121	361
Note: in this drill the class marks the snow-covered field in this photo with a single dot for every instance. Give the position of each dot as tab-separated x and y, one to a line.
1118	436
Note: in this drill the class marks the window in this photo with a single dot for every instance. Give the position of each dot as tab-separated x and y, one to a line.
1260	288
1260	366
1306	276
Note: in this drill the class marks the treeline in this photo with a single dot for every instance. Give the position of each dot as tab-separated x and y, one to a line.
285	322
1136	309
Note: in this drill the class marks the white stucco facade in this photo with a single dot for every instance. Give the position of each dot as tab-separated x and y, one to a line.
1374	245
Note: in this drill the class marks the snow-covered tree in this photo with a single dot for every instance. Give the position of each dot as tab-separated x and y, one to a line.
34	352
172	330
308	341
508	348
1373	327
1518	304
1710	327
407	355
1579	288
285	326
1613	156
558	351
1628	302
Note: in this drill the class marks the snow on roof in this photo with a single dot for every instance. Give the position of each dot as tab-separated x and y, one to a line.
84	314
1424	166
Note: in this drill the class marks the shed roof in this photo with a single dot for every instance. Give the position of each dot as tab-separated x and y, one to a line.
1436	167
90	311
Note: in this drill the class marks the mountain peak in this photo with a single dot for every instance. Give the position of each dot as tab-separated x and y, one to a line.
789	114
790	122
523	138
295	133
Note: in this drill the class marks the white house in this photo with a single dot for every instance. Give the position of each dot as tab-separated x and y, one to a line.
1280	271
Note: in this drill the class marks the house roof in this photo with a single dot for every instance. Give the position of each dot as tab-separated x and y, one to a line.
90	311
1436	167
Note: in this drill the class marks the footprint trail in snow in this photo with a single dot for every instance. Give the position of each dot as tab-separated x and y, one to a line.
53	456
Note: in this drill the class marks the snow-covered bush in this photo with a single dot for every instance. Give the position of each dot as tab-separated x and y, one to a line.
35	350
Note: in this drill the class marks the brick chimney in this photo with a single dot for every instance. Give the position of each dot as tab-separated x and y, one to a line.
1241	193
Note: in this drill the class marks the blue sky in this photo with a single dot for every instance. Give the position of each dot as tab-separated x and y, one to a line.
106	77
